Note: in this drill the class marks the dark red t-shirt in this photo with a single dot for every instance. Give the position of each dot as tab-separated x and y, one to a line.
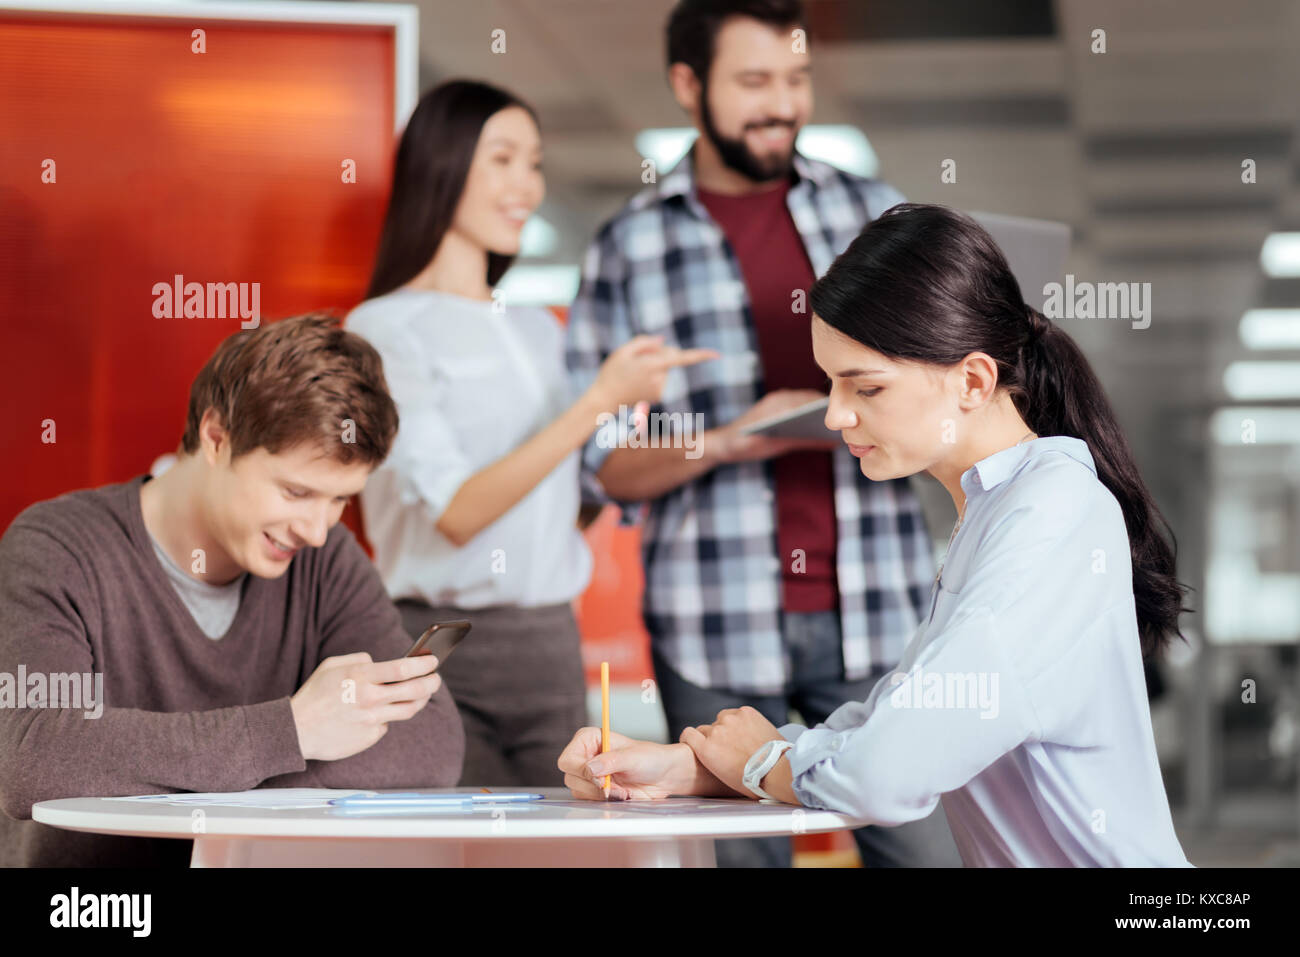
774	264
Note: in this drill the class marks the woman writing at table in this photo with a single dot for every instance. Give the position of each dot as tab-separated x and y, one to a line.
1020	703
474	513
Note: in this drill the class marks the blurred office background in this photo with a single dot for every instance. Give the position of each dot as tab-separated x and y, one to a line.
1173	156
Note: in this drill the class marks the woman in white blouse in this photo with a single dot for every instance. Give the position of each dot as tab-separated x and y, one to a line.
1021	701
474	514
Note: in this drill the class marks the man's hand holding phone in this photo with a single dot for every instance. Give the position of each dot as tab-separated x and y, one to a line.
347	703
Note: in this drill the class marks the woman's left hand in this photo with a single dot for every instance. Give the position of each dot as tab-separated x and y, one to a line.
725	746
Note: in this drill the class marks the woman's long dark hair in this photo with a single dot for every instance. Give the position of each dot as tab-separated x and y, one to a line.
928	284
429	173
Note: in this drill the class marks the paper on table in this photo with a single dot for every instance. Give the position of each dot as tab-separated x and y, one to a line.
669	806
282	798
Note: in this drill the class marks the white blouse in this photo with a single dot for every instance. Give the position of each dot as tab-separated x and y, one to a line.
472	381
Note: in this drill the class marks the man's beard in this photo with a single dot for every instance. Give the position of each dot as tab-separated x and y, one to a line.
736	154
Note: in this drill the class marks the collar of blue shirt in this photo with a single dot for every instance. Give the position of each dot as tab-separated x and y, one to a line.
680	180
1000	466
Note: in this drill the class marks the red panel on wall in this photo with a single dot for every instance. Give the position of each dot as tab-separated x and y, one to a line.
222	166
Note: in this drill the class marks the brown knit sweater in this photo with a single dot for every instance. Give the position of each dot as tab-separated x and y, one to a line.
81	591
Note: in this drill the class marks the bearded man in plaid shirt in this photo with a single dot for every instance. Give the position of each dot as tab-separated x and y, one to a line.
777	575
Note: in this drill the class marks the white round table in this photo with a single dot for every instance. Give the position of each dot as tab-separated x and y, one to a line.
555	832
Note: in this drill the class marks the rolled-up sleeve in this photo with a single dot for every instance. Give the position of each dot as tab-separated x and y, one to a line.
426	457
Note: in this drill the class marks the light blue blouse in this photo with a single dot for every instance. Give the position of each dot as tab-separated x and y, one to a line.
1021	701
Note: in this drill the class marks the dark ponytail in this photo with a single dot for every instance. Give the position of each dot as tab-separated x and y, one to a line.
928	284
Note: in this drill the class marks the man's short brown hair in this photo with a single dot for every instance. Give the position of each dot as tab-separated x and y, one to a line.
302	379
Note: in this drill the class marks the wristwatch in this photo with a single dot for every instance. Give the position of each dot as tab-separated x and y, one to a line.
762	761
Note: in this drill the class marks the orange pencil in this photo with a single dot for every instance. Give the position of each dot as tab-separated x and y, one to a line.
604	716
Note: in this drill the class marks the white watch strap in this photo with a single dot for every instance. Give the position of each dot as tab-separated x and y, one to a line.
754	779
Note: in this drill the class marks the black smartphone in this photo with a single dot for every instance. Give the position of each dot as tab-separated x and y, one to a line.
441	639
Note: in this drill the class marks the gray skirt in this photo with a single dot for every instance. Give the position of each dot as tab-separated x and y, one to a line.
519	686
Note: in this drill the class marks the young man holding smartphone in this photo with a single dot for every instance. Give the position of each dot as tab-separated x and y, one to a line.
242	637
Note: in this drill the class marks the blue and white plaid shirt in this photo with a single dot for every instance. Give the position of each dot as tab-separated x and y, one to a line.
712	601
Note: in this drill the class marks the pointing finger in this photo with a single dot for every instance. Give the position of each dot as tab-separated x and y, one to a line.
672	358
